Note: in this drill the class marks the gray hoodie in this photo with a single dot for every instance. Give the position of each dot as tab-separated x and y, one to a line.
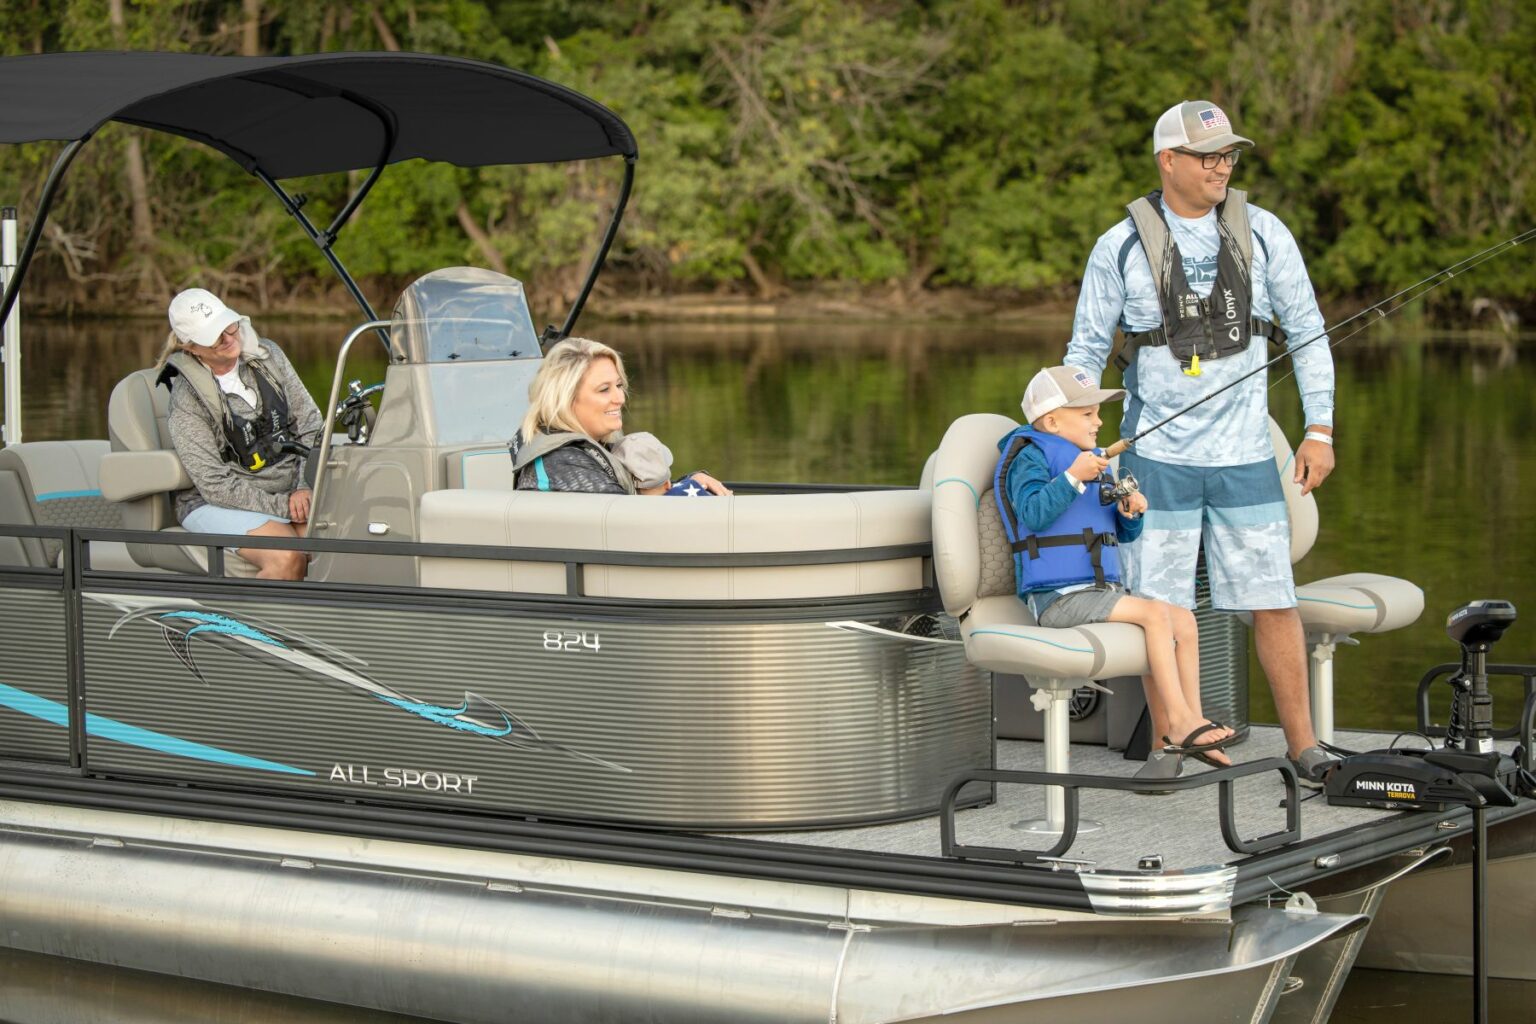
199	438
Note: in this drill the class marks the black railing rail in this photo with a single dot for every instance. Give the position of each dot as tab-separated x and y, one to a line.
1070	784
1521	730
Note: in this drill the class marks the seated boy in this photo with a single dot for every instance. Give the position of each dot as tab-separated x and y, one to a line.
1067	565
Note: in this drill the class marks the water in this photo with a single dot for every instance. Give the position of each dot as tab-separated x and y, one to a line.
1437	442
1436	479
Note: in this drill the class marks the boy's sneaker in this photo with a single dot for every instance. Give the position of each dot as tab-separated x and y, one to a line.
1312	766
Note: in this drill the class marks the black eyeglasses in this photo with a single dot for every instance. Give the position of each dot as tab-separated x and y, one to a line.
1210	160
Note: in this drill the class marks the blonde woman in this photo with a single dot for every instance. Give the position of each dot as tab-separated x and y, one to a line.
239	415
575	417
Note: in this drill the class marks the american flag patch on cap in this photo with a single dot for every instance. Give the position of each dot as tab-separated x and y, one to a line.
1083	379
1212	118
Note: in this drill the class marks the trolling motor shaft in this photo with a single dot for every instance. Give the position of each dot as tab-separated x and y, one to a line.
1476	627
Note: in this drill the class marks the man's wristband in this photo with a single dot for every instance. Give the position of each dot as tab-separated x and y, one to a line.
1318	435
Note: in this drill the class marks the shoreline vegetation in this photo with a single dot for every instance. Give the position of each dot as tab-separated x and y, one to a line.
810	159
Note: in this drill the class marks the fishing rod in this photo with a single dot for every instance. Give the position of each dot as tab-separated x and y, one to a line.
1428	285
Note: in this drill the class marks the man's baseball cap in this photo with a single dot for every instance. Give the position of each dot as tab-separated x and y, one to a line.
1063	387
199	317
647	459
1199	126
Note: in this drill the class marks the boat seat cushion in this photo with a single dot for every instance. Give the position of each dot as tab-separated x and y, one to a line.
479	469
743	524
1001	636
1360	602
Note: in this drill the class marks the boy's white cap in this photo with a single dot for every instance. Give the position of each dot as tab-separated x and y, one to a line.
198	316
1061	387
1199	126
647	459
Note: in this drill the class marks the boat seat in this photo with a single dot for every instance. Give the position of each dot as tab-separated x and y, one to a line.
1335	609
662	526
57	483
479	469
142	471
974	570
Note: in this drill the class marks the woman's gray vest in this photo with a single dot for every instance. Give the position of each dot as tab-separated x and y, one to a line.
584	465
255	443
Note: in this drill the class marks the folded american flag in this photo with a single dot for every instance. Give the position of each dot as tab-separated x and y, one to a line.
687	487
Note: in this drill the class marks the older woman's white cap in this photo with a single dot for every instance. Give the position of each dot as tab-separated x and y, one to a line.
198	316
647	459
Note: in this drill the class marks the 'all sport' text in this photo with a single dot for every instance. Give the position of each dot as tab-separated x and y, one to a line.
403	778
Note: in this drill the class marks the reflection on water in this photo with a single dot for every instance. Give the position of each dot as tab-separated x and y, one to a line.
1437	442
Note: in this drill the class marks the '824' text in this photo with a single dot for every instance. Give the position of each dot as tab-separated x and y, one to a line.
568	641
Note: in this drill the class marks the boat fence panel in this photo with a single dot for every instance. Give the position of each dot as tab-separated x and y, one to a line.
34	639
566	712
34	685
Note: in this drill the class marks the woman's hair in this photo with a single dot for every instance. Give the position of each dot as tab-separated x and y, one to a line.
553	390
173	344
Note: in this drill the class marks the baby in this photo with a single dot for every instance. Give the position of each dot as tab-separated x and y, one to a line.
650	464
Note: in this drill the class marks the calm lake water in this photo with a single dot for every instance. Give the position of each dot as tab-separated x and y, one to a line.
1436	479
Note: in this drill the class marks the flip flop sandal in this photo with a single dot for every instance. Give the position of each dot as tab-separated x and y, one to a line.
1200	751
1160	765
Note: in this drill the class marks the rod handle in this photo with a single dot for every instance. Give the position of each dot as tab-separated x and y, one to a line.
1116	448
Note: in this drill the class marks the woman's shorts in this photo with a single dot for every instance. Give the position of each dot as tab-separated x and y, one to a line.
1092	604
233	521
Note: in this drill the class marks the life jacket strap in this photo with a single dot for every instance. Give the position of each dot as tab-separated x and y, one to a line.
1130	343
1094	542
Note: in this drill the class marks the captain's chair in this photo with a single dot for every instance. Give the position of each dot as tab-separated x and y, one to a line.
973	566
142	470
1333	610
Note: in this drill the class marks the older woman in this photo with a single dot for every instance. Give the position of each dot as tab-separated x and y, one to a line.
575	416
239	418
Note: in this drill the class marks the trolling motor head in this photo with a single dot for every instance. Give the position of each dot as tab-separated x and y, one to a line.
1479	625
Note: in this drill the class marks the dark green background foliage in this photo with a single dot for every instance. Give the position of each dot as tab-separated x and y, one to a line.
968	144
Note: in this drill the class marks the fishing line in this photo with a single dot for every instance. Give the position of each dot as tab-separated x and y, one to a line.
1419	289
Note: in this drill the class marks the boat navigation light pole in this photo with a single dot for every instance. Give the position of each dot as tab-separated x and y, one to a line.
10	432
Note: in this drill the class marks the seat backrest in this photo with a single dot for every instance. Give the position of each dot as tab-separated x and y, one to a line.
138	420
479	469
1302	508
971	558
138	414
60	483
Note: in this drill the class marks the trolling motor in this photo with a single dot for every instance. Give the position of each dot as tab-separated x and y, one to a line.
1436	779
1467	771
1112	490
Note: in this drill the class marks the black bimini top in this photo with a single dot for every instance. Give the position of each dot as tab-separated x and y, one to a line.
293	116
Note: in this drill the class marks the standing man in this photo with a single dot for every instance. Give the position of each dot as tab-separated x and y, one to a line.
1198	281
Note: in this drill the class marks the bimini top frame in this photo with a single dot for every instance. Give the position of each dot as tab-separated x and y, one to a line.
285	117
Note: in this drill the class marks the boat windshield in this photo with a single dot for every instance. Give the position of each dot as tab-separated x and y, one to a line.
464	314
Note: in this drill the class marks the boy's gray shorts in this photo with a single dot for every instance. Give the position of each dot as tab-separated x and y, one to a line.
1083	606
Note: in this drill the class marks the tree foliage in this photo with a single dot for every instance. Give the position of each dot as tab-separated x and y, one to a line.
974	144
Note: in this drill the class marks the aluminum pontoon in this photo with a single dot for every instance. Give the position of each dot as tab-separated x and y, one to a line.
595	758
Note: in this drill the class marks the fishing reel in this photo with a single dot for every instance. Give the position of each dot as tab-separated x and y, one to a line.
1112	490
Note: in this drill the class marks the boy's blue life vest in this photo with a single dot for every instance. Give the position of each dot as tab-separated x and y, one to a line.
1081	546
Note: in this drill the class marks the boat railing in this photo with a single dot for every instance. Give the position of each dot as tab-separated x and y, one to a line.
1523	730
78	540
1072	784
